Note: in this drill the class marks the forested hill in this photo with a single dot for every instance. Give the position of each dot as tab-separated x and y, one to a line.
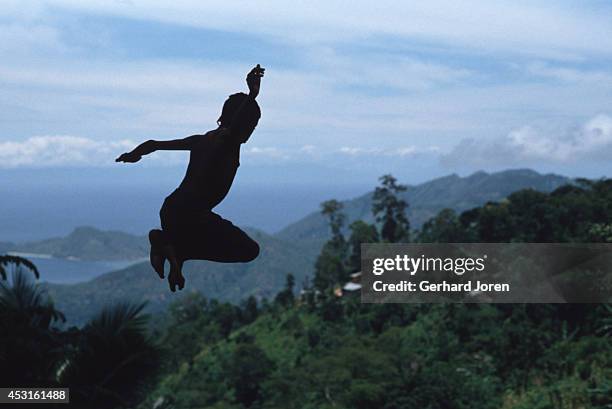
427	199
326	349
87	243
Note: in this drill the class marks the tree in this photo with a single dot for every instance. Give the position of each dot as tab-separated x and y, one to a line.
308	294
247	371
390	211
495	223
286	296
330	265
249	310
103	364
361	232
189	308
113	355
532	216
600	233
31	347
333	210
226	316
444	228
17	262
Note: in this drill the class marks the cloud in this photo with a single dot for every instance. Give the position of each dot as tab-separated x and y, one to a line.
397	152
78	151
74	151
532	146
49	151
265	152
547	27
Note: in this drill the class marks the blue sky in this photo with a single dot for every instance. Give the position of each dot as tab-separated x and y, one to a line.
352	89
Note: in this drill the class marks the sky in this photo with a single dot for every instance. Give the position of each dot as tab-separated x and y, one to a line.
352	89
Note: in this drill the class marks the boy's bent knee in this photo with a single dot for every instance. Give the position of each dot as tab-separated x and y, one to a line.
251	251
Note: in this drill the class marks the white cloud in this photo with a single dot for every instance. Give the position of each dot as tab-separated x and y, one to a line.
531	146
77	151
265	152
398	152
524	146
46	151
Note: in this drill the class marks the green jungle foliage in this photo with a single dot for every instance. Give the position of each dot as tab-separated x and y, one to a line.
316	350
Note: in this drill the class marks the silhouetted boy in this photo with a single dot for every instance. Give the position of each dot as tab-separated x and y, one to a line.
190	229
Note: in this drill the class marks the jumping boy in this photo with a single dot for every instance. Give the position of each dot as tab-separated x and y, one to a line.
190	229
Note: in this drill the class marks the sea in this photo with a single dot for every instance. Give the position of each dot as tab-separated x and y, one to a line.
71	271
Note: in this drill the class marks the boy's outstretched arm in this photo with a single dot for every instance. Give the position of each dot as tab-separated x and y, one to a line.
151	146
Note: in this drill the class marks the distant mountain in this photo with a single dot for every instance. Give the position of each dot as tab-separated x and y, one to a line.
232	281
427	199
88	243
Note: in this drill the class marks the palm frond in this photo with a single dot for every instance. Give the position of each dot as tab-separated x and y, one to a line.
113	355
25	297
7	259
116	319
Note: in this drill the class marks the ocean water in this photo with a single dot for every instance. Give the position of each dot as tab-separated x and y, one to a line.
63	271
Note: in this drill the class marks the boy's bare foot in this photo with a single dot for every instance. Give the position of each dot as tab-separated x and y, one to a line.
175	278
156	256
162	250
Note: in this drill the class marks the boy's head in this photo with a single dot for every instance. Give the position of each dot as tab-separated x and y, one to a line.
248	118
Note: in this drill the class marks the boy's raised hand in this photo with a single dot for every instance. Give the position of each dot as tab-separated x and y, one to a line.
253	80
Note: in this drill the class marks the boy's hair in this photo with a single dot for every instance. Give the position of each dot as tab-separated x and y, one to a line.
249	117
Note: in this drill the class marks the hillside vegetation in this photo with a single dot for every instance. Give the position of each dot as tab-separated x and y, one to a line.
321	351
342	354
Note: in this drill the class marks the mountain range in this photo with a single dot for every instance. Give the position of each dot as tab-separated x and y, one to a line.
427	199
